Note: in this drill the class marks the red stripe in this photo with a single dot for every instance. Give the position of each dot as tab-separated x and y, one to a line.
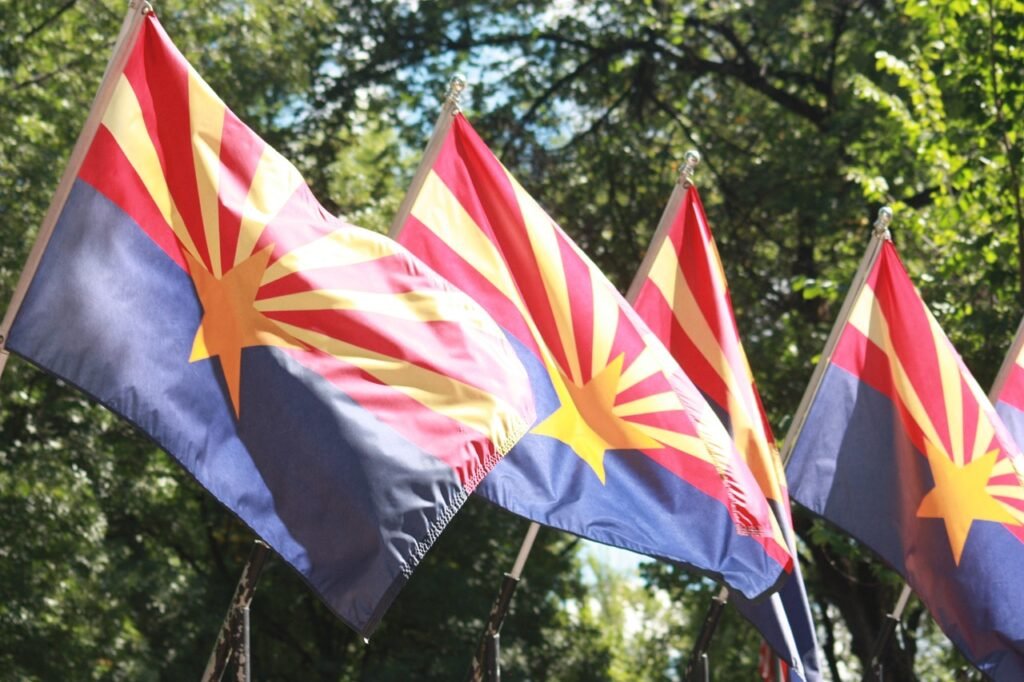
240	152
382	275
1012	392
580	289
447	348
478	181
453	267
165	110
451	442
108	170
299	222
912	338
651	305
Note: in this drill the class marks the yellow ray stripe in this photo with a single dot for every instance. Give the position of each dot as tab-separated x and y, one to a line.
953	399
1010	492
467	405
644	365
417	306
440	211
206	117
866	316
657	402
1016	513
540	230
123	118
606	323
343	247
691	445
273	184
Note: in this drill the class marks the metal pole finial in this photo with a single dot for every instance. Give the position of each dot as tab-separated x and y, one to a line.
454	93
883	222
690	162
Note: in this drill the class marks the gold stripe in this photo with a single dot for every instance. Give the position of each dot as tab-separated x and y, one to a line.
953	400
440	211
123	118
206	118
690	445
465	404
273	184
656	402
606	324
541	232
866	316
342	247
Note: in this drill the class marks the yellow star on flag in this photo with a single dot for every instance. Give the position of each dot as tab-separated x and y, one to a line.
230	320
960	497
586	422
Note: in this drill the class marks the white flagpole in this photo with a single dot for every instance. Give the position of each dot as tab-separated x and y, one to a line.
879	236
137	10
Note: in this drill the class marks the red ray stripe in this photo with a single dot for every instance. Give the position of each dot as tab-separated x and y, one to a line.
385	275
911	334
300	221
691	237
442	347
581	293
627	340
477	180
165	110
971	412
432	432
656	383
240	151
653	304
1013	390
442	258
108	170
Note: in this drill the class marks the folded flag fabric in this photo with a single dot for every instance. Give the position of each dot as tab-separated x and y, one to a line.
682	294
902	450
625	450
328	388
1008	391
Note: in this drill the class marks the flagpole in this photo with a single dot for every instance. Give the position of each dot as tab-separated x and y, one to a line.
233	638
690	162
1008	362
137	10
879	236
885	634
698	668
449	110
485	665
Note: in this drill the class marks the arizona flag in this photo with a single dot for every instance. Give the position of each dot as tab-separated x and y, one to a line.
1008	391
625	450
902	450
319	381
682	295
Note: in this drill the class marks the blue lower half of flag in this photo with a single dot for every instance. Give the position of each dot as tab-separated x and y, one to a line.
350	504
641	507
854	465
